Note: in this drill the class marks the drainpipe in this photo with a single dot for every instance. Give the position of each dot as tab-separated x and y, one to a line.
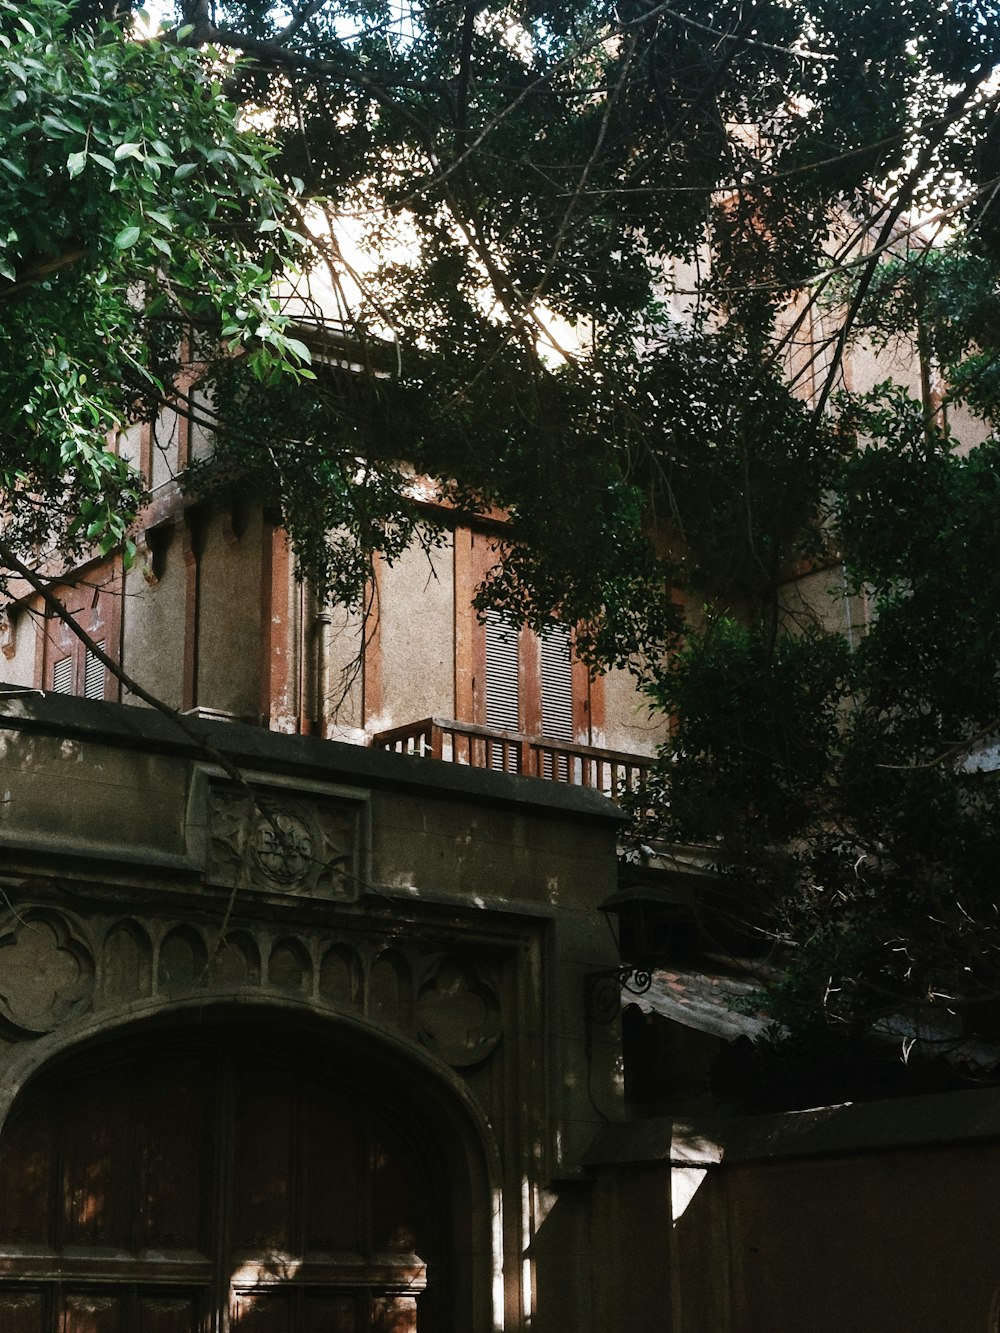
321	684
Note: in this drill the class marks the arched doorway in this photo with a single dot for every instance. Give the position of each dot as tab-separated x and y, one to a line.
200	1181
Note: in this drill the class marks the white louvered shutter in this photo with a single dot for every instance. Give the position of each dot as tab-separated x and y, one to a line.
557	696
93	678
501	673
557	683
501	686
62	676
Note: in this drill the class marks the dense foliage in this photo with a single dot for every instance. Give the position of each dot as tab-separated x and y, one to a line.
132	206
601	265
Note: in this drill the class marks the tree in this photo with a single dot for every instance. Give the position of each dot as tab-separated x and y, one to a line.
613	258
137	230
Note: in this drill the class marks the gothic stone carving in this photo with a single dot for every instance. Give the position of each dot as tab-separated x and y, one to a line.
285	844
458	1014
46	974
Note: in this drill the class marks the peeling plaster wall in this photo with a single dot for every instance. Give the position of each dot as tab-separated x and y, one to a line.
628	723
18	648
229	619
416	613
153	625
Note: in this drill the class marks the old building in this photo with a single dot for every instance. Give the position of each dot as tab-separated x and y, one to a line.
313	1052
302	1029
296	1028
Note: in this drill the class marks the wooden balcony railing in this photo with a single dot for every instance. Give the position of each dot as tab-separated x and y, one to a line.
607	771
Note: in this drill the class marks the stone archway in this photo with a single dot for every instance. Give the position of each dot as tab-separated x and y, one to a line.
215	1177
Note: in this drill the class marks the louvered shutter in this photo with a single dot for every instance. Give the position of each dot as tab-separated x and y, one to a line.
93	680
557	683
502	713
62	676
556	688
501	673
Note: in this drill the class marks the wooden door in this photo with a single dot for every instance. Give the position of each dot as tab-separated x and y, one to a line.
170	1190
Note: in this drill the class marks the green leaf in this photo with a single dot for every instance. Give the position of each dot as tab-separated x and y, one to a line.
298	349
76	162
127	237
55	125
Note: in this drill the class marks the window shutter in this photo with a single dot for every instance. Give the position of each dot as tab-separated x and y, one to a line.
93	679
501	673
557	683
62	676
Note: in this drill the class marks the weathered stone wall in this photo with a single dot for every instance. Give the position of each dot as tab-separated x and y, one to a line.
877	1218
444	916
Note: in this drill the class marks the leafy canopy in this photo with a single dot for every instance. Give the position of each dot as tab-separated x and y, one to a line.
599	264
133	207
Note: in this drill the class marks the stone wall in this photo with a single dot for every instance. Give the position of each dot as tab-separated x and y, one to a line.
877	1218
440	917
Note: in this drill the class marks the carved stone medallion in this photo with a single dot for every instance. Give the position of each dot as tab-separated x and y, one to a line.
458	1014
284	843
46	975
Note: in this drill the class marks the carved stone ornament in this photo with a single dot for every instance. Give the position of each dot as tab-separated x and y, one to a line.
284	844
458	1014
46	975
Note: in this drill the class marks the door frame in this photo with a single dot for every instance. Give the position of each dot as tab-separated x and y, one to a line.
434	1098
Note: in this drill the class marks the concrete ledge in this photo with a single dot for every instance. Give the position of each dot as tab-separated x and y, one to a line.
909	1122
128	727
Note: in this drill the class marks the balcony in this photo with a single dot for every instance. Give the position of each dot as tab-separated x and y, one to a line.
607	771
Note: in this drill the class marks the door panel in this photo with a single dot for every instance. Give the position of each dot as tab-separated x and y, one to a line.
175	1168
167	1314
22	1311
264	1168
27	1167
97	1157
153	1190
329	1314
330	1153
85	1312
394	1314
263	1312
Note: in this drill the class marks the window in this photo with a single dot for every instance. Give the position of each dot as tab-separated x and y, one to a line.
502	673
537	701
556	683
511	679
68	666
65	675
